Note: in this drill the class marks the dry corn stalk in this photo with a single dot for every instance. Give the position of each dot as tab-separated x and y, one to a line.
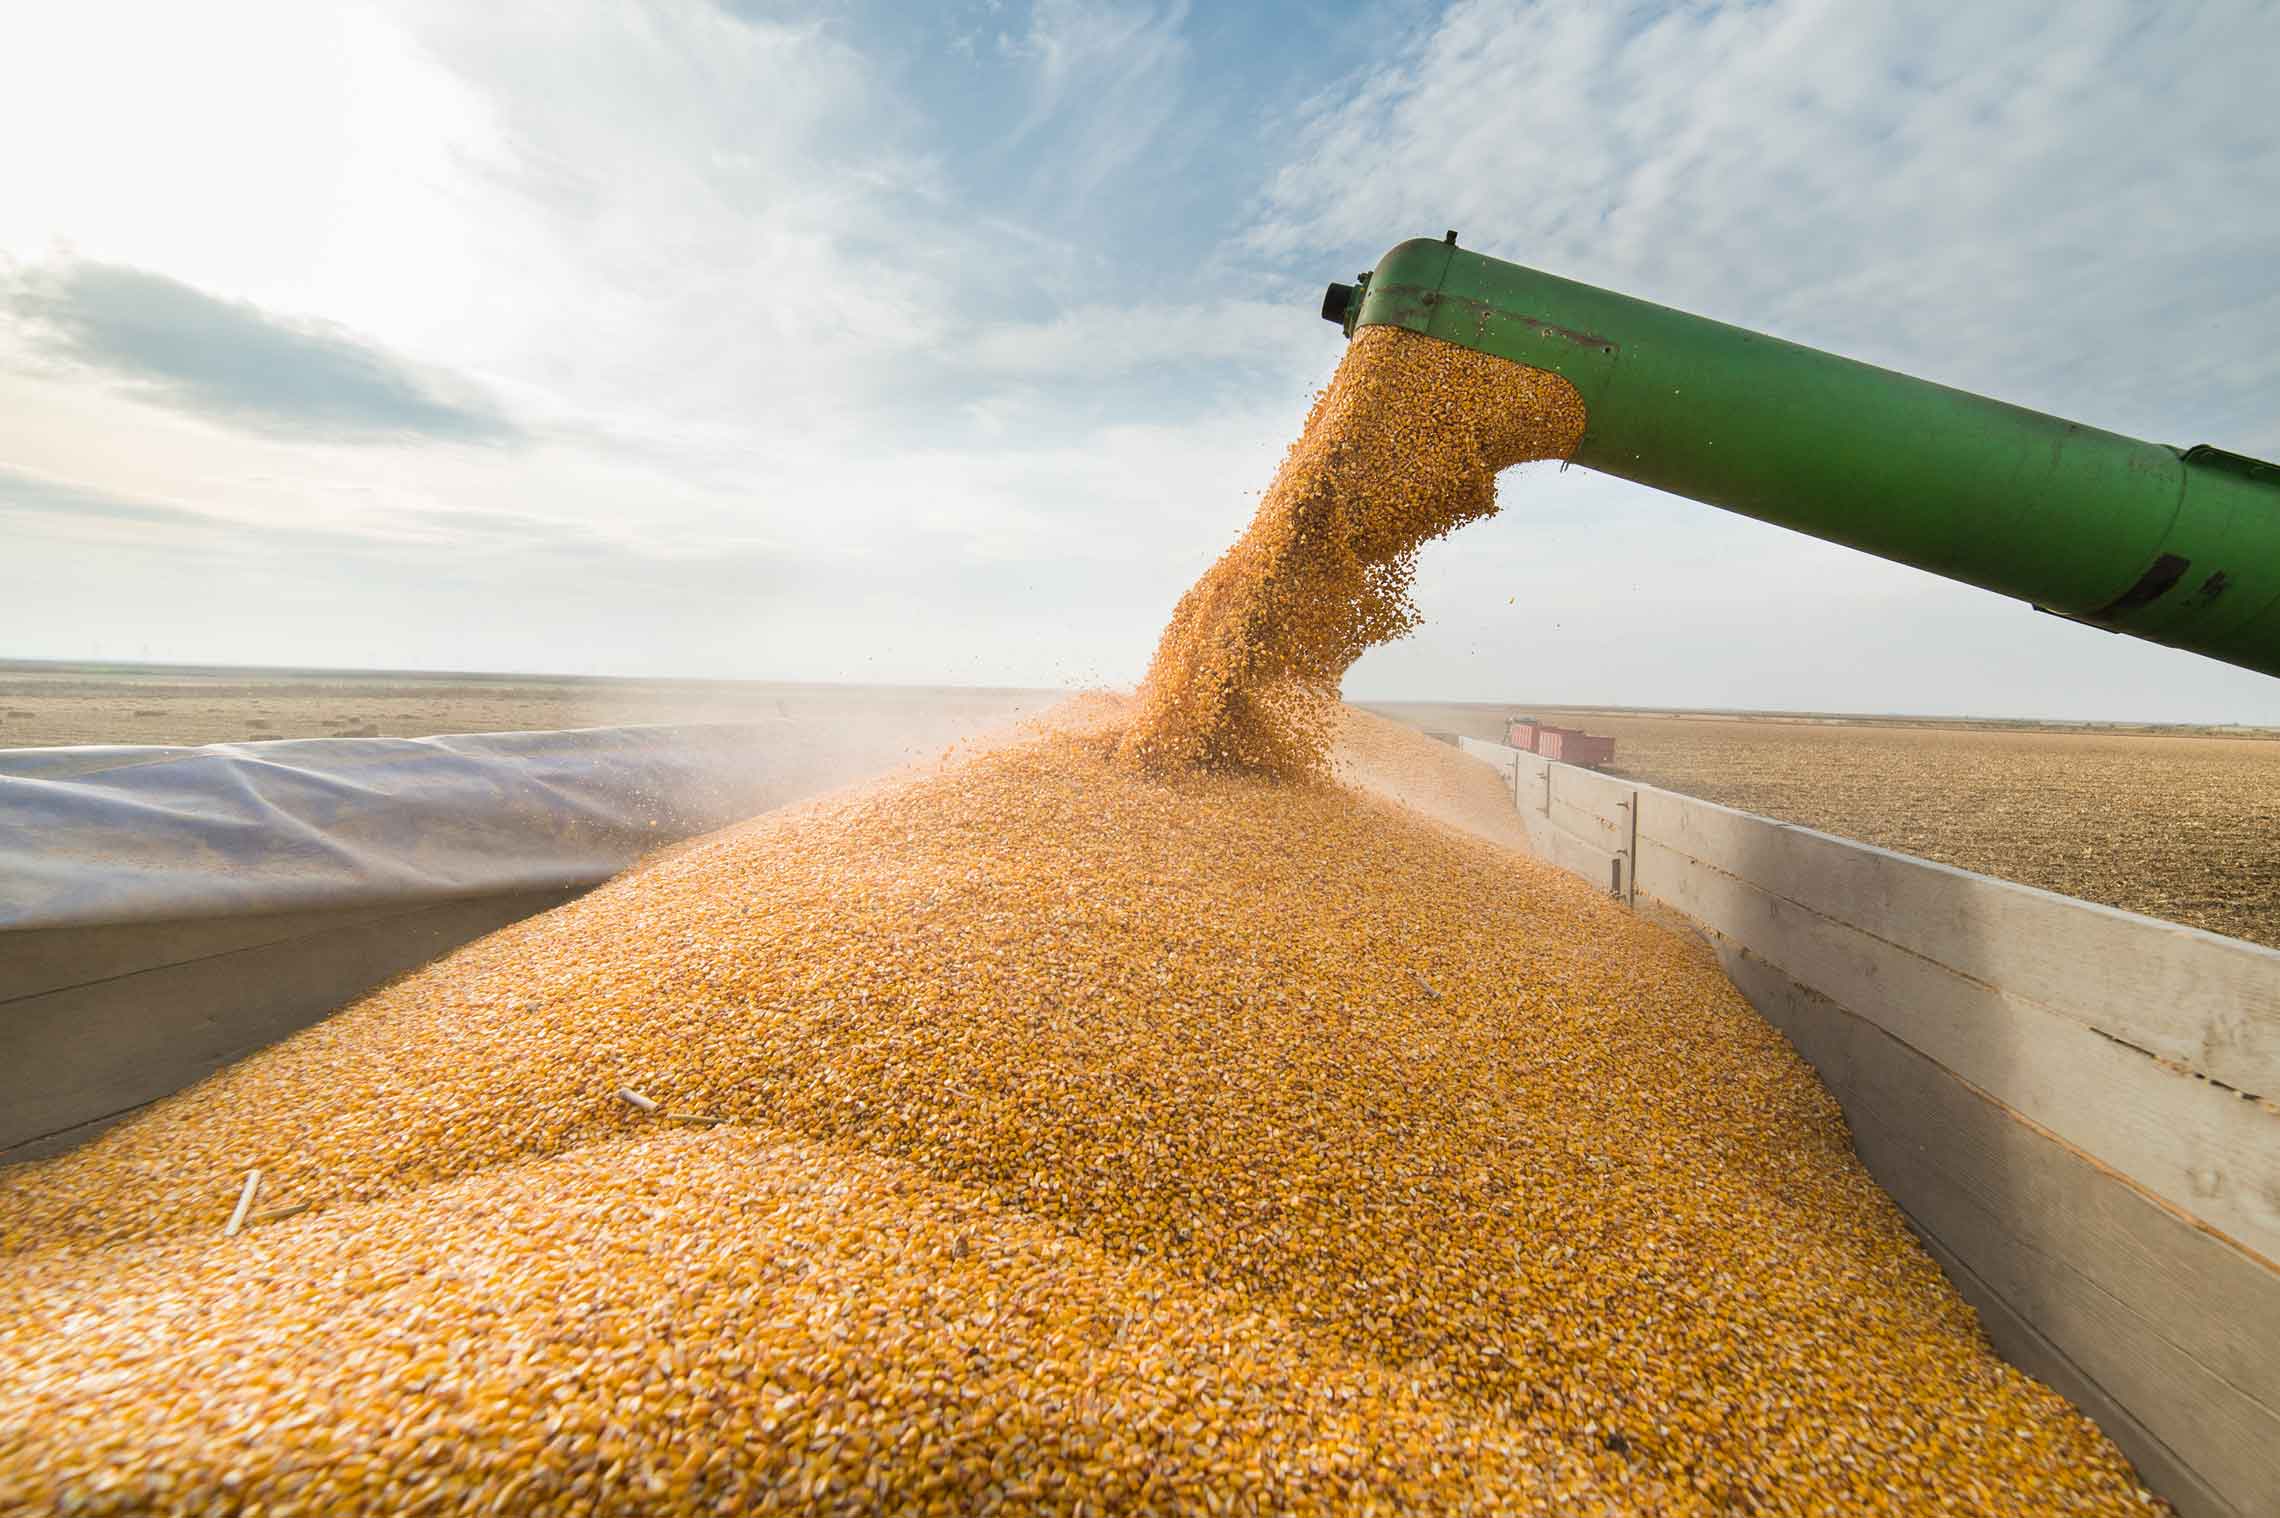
244	1201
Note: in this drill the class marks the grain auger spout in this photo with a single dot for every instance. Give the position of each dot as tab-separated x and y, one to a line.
2177	546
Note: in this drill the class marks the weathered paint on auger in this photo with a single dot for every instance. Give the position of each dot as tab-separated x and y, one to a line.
2178	546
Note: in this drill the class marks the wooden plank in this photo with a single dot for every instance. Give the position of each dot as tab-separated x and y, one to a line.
1586	831
2160	1468
1573	854
2054	1201
1595	795
2173	1328
2089	1258
1525	773
73	1058
1500	757
2200	1147
2229	1439
1599	832
2210	1002
33	960
1535	783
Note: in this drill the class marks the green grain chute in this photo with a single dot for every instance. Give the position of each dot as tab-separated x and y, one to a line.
2178	546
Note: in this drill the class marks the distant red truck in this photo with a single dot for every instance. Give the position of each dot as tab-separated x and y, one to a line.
1567	745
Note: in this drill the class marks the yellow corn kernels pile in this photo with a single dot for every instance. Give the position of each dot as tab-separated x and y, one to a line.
1402	447
704	1323
1096	1141
1051	1132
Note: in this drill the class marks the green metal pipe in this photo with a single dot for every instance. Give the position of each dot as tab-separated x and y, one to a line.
2176	546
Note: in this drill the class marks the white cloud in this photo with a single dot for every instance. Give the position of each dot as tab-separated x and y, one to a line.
707	260
181	348
2072	206
1107	77
689	214
1102	340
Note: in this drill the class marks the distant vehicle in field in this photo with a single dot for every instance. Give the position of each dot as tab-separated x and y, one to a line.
1567	745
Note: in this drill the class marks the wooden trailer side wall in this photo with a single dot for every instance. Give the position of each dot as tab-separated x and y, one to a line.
2075	1106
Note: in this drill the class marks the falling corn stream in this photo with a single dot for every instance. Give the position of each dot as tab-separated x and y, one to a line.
1194	1104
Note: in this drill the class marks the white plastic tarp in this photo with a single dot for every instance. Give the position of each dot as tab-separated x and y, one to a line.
118	834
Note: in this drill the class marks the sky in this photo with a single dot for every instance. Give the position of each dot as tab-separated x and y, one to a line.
948	342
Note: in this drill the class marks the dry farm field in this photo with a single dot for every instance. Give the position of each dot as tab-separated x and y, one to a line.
44	705
2184	826
2177	825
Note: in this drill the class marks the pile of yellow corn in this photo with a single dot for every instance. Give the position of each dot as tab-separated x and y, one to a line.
1045	1133
1090	1138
